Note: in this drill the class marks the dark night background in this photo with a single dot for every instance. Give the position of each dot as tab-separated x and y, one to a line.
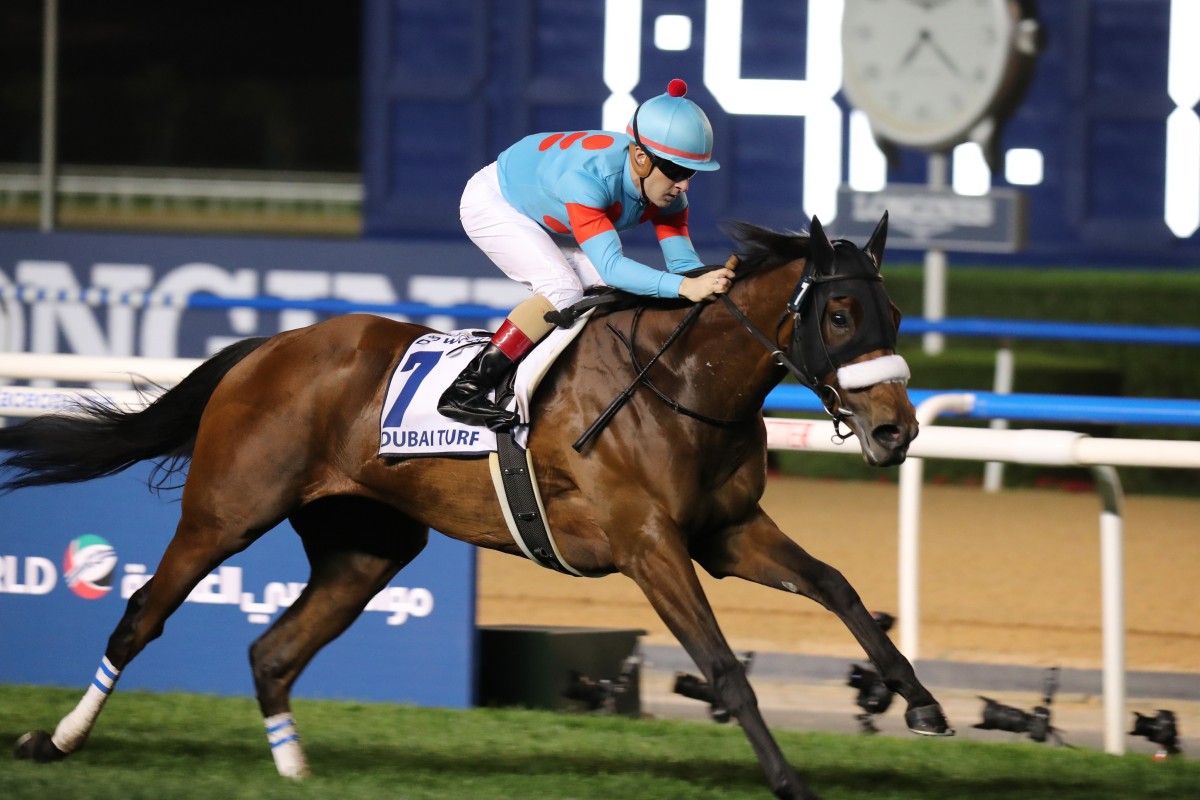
219	84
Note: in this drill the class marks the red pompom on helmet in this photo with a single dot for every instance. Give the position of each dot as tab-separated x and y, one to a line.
677	87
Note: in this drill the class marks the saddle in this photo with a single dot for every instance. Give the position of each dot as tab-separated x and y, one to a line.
412	427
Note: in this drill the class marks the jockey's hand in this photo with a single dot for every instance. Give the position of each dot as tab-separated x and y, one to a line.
706	286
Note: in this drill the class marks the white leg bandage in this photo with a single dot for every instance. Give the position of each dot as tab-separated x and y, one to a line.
73	729
285	746
885	369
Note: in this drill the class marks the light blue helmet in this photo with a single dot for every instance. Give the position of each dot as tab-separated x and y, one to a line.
673	128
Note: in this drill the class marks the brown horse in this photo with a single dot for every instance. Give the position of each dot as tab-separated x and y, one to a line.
288	428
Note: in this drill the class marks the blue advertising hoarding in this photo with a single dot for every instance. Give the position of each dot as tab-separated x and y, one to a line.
357	271
70	556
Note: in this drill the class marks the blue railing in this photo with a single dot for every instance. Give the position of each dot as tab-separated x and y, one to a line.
963	326
1078	409
789	397
1060	331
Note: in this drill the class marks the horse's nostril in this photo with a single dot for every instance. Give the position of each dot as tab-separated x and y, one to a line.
887	435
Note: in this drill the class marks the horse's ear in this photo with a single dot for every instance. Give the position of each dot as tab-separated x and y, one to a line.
877	241
821	249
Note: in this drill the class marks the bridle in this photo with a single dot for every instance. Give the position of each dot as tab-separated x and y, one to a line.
806	330
806	336
808	355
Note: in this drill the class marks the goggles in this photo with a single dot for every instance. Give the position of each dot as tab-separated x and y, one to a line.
674	172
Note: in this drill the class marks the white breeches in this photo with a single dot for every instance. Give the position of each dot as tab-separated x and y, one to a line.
520	247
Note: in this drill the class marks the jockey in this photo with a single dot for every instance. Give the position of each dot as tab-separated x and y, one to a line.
547	213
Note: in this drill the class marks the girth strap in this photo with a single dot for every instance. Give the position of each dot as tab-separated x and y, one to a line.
512	475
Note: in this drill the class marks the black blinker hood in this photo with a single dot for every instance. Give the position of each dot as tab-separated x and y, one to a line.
841	269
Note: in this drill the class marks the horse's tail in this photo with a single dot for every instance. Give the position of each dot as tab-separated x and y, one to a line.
96	439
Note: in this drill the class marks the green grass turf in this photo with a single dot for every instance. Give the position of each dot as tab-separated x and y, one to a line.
186	746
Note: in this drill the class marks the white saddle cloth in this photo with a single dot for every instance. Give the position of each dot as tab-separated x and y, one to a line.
410	424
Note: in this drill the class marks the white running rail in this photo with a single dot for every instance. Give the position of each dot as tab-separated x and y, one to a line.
145	377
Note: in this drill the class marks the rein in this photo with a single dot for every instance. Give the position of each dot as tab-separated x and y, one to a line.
802	372
673	404
624	396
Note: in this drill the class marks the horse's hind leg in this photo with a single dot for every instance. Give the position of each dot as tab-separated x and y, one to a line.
348	569
758	551
198	547
73	729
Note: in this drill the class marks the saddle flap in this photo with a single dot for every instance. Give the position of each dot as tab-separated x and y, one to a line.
537	364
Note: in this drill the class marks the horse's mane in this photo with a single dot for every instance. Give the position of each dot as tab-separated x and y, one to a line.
759	249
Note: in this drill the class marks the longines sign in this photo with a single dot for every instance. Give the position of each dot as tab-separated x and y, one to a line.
923	219
228	267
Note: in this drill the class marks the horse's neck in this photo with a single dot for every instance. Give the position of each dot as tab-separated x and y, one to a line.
717	367
761	298
743	362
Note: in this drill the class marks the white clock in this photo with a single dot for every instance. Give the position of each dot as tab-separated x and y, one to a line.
931	74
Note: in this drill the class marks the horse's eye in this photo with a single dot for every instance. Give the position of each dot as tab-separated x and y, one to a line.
840	319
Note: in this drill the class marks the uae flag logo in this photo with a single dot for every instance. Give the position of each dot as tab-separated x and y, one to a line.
88	566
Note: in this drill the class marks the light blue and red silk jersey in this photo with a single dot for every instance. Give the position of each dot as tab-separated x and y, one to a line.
579	184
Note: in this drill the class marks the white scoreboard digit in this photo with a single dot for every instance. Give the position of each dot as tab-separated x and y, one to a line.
813	99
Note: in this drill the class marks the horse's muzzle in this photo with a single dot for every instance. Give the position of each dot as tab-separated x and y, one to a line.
888	444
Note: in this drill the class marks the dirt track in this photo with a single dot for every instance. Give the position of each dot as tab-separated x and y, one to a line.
1012	577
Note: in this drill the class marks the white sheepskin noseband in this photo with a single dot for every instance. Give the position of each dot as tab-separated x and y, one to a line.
885	369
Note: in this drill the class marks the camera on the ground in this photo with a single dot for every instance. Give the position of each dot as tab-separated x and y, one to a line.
1036	723
601	694
697	688
874	697
1160	729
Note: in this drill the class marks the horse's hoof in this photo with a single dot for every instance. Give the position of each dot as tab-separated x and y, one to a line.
928	721
37	746
794	790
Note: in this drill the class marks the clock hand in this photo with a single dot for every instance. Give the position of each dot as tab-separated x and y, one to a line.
926	38
912	51
942	55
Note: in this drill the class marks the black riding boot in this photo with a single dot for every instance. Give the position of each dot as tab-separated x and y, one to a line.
467	398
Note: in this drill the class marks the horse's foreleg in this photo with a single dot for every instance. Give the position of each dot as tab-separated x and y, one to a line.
191	555
341	585
758	551
665	574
